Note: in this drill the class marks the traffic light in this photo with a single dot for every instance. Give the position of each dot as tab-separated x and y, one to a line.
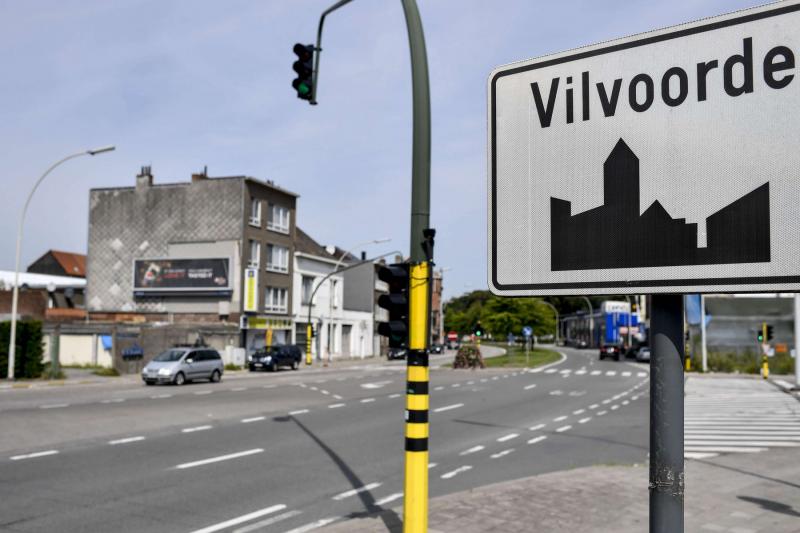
761	332
304	66
396	302
770	331
478	330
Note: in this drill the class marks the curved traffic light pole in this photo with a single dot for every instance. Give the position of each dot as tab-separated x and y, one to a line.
314	292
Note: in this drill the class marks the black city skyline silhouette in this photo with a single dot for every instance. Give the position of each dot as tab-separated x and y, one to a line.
615	235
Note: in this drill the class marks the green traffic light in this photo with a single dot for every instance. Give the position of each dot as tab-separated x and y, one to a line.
303	89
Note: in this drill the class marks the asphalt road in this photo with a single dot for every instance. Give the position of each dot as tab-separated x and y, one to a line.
295	450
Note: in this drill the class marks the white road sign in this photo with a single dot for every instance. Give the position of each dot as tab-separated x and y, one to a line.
664	162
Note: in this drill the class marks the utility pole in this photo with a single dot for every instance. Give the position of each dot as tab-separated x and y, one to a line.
666	414
704	345
796	341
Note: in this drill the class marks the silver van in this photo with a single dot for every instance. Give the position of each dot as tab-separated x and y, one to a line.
181	365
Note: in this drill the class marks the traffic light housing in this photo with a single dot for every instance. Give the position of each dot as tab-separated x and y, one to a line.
478	330
770	332
760	335
304	67
396	303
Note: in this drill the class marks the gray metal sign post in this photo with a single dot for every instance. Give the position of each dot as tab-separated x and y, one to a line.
666	414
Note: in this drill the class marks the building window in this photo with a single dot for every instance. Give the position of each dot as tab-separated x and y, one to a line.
278	219
335	293
277	258
255	212
305	293
275	300
255	253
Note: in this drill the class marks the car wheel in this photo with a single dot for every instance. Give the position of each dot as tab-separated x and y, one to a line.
601	357
295	364
149	383
273	367
215	376
616	357
180	379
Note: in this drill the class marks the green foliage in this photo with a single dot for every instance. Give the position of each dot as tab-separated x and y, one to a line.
469	356
106	372
745	363
498	316
231	366
515	358
28	353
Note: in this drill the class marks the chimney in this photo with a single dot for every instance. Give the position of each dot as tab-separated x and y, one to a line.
363	255
144	179
200	177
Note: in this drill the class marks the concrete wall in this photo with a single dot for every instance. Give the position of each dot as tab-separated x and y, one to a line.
76	349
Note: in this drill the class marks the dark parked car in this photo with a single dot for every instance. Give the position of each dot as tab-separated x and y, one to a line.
611	350
274	357
396	353
437	348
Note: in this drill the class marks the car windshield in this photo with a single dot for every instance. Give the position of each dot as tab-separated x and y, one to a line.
169	356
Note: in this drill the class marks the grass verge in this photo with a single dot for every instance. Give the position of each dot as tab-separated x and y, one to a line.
515	358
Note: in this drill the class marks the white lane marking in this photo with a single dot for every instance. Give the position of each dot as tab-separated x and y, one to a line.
556	393
390	498
336	405
614	407
314	525
196	428
239	519
625	402
268	522
563	429
432	465
508	437
203	392
455	385
160	396
501	454
641	374
474	449
495	378
473	383
699	455
303	385
722	449
579	411
484	380
253	419
114	400
367	400
439	388
353	492
457	471
529	387
565	371
560	418
448	407
33	455
376	385
604	402
550	371
626	374
54	406
537	427
238	389
126	440
298	412
220	458
395	395
611	373
534	440
313	388
634	398
601	413
594	406
337	397
580	372
584	420
596	372
324	392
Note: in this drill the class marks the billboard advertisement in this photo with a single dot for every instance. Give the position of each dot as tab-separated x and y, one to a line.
181	275
251	290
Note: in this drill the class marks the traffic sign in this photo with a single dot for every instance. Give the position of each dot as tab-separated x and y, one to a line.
662	162
527	331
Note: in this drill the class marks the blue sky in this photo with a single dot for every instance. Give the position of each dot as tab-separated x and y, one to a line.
179	85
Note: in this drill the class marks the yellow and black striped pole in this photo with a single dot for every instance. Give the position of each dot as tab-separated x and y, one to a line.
309	333
415	509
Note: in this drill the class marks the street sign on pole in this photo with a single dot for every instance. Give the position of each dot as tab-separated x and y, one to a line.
665	162
527	331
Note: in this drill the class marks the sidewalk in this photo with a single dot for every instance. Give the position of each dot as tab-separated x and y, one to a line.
742	493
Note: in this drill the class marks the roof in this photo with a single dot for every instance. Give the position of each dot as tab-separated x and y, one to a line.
72	263
305	244
264	183
39	281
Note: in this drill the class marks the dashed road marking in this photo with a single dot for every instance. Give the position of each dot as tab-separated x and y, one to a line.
314	525
160	396
614	407
395	395
596	372
501	454
298	412
324	392
508	437
448	407
253	419
563	429
194	429
559	418
439	388
54	406
201	392
537	427
540	438
432	465
626	374
594	406
337	397
556	393
261	524
353	492
584	420
641	374
390	498
241	519
335	405
33	455
367	400
625	402
114	400
126	440
550	371
579	411
220	458
529	387
474	449
238	389
457	471
611	373
601	413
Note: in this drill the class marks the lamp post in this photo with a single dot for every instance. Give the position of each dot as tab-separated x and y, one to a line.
330	286
15	296
591	320
441	307
630	312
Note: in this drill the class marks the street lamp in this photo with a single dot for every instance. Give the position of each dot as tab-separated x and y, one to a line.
553	307
15	297
330	286
441	306
591	320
